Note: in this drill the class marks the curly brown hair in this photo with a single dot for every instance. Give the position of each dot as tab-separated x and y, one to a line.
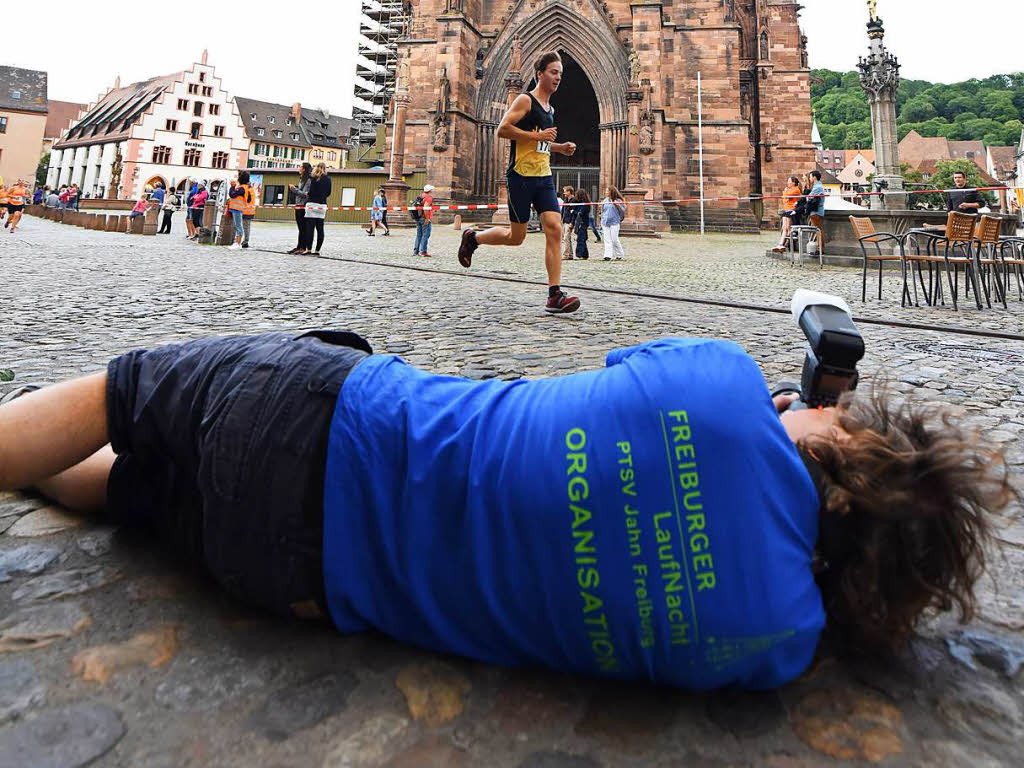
906	499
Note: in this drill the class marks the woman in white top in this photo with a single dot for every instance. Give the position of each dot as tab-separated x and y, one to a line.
613	211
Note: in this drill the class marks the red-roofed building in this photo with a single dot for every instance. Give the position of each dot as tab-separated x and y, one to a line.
169	129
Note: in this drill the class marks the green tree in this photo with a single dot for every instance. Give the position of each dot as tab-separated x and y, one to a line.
41	169
998	105
918	110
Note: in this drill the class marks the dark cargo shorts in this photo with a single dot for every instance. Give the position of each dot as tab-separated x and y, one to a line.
221	448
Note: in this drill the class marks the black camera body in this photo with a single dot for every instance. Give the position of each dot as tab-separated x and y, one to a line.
834	347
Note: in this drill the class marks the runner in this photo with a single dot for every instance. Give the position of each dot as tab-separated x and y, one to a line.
16	197
3	205
529	125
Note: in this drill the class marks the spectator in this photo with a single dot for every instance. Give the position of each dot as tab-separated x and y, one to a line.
158	195
170	205
801	213
424	224
967	201
239	197
52	200
582	224
196	209
3	202
73	197
300	195
568	215
384	211
613	211
316	208
790	197
65	196
816	206
376	213
37	196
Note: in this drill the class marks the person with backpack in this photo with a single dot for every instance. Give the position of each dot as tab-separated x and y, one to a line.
423	214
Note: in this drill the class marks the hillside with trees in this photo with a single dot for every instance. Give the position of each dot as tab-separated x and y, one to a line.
989	110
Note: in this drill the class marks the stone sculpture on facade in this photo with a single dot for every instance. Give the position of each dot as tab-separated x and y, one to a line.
647	125
440	124
634	68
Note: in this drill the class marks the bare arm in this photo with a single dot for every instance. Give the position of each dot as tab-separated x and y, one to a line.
520	108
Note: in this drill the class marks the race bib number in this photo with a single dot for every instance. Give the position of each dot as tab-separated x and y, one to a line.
543	148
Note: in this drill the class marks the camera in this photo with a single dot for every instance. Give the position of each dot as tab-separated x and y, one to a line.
834	347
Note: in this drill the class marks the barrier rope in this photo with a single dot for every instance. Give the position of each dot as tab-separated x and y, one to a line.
678	201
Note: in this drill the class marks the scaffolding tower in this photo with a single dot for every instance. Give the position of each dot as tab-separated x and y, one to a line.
381	24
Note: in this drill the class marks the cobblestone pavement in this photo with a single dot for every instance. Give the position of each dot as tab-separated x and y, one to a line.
108	651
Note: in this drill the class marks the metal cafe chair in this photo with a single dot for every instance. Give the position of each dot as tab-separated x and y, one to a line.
864	231
986	257
958	239
1011	254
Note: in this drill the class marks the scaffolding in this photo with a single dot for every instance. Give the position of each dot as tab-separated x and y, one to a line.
381	24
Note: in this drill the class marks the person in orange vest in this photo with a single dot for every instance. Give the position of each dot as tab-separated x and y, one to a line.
16	198
248	214
3	203
237	197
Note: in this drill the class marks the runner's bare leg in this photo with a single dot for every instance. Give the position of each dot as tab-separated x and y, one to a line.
551	222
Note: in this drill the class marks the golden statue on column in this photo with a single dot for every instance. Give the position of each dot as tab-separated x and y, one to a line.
873	9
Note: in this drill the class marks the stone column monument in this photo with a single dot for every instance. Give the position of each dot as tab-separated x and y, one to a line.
880	77
513	87
396	189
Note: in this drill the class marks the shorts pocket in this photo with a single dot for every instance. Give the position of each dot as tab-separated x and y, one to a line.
237	415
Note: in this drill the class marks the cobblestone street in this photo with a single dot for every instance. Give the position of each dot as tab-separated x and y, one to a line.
109	652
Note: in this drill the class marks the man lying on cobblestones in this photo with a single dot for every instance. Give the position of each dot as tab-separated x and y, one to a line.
654	520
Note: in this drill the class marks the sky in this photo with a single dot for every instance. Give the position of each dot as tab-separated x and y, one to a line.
313	62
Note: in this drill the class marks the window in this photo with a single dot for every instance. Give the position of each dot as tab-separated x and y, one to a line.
302	154
16	95
271	119
348	196
290	121
162	155
277	151
260	131
220	160
273	194
183	105
197	109
3	125
218	130
278	134
197	130
193	157
207	90
202	77
332	156
171	125
318	154
215	109
293	136
193	88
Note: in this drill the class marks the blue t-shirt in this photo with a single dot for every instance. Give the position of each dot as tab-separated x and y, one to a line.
650	520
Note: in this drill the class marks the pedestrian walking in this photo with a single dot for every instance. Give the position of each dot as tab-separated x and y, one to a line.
529	125
424	206
376	213
316	208
613	211
170	205
582	224
300	195
384	211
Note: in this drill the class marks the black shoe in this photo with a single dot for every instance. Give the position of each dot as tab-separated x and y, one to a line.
467	247
245	245
561	303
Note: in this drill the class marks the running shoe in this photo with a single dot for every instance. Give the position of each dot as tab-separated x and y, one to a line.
561	303
466	249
